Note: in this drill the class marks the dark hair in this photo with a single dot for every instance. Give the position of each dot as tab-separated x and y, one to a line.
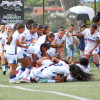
41	26
33	25
2	24
97	17
61	29
84	61
20	26
46	27
94	26
84	26
45	45
79	74
65	61
72	25
16	26
30	21
49	35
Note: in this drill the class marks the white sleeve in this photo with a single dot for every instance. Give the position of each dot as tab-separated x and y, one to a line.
41	40
70	78
3	41
84	32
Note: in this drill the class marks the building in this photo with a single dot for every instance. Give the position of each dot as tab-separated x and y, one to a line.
39	10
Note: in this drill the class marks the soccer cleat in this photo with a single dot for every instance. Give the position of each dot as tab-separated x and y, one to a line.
23	80
43	81
4	72
16	81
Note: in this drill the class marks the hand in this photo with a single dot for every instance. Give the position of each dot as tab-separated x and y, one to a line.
69	35
26	47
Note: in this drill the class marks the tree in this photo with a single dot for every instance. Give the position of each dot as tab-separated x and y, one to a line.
33	3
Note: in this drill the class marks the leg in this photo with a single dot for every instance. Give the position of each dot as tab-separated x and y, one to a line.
72	59
88	57
3	62
68	53
12	69
95	59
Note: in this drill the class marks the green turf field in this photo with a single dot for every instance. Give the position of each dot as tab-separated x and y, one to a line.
51	91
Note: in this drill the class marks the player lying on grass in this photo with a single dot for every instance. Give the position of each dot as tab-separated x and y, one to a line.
83	63
58	72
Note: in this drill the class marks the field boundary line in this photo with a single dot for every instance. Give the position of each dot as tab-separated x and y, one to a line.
45	91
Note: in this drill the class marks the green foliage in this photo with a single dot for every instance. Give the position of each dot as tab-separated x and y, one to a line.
97	6
33	3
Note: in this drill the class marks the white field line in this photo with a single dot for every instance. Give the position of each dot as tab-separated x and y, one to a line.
52	92
28	86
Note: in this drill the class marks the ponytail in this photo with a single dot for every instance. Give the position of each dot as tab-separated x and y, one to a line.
97	17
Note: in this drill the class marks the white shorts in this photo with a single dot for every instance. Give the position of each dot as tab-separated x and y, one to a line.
12	59
34	76
21	53
30	50
48	74
87	49
30	56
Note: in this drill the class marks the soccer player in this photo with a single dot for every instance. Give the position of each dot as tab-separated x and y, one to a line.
70	43
2	34
4	47
13	42
92	43
46	30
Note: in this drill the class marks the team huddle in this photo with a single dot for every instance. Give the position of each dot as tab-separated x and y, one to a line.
34	54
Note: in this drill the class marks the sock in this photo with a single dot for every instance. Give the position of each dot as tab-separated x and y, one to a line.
4	67
22	75
20	72
51	81
12	78
29	77
18	68
27	71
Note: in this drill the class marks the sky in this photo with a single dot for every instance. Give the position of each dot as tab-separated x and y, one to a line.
93	0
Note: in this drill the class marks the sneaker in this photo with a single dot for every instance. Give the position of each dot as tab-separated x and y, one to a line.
24	80
43	81
4	72
16	81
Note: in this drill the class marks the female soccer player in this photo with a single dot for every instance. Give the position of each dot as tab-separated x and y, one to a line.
92	43
13	42
4	47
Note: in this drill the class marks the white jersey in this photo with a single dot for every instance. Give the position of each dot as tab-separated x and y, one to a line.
1	36
60	68
38	52
4	41
70	40
31	49
35	36
84	68
41	40
91	39
12	47
51	52
28	36
58	40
